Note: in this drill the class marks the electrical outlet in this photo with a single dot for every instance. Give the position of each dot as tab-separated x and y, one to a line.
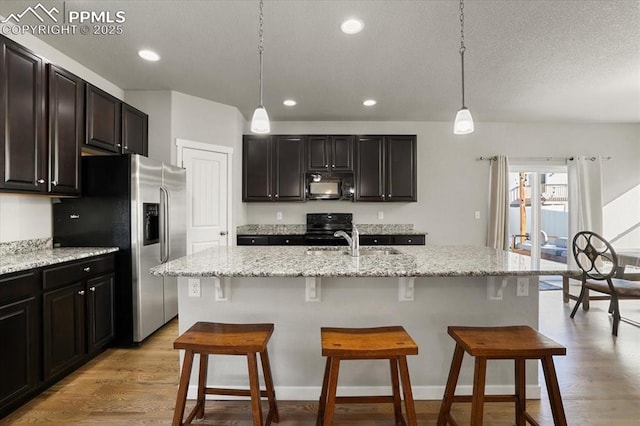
380	215
194	287
477	214
278	215
523	287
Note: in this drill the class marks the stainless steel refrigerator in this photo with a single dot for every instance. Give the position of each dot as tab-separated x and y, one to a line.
138	205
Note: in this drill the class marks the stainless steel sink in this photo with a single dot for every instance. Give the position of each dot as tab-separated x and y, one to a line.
327	251
383	251
330	251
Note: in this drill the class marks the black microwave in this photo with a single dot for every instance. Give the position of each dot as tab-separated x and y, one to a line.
329	187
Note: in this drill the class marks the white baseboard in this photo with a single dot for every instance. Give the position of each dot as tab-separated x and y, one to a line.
312	393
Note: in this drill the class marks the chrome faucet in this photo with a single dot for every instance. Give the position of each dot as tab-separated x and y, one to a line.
353	240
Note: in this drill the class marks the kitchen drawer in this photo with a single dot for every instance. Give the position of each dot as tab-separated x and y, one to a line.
376	240
253	240
76	271
286	240
409	240
19	285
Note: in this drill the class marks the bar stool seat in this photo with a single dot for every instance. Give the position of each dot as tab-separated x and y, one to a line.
514	342
207	338
392	343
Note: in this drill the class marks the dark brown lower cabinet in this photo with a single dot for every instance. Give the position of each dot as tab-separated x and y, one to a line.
52	320
64	328
99	319
19	338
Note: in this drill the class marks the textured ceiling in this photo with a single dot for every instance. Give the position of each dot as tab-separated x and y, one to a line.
534	60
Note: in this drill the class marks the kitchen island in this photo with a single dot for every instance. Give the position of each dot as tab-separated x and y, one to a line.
300	289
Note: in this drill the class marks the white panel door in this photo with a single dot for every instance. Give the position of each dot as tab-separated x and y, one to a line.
207	195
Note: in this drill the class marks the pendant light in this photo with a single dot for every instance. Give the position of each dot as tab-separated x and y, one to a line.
464	122
260	120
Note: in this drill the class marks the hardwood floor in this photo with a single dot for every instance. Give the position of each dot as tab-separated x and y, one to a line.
599	380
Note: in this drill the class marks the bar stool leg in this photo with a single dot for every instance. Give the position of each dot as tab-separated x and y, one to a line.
555	399
254	386
202	384
271	392
477	400
331	391
521	389
408	394
323	393
395	388
181	399
450	388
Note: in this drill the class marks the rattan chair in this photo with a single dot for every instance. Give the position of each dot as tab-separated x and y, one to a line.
601	273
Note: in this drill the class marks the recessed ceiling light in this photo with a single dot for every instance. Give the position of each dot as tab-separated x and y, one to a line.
149	55
289	102
369	102
352	26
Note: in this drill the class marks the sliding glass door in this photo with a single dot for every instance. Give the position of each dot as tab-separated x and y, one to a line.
539	211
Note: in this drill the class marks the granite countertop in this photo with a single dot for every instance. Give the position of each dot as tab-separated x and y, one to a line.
16	257
412	261
300	229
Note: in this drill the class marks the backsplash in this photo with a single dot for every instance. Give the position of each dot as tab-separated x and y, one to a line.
24	246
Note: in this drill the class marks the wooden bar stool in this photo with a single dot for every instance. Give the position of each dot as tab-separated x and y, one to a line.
392	343
516	342
206	338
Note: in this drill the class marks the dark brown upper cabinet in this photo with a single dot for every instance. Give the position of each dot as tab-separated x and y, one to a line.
330	153
102	120
65	128
386	168
23	146
273	168
135	125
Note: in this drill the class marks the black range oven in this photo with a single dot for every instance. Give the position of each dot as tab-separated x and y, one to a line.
322	226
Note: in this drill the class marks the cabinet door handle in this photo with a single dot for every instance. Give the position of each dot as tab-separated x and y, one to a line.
92	288
383	196
375	241
126	147
81	292
333	165
54	183
40	180
118	145
87	269
277	195
269	195
326	165
286	241
409	240
253	241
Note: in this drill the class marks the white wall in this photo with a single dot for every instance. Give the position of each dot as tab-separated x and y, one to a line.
201	120
452	183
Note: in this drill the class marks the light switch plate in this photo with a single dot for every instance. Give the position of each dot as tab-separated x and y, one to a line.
278	215
477	214
380	215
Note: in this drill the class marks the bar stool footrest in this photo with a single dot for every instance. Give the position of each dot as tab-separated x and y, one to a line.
373	399
232	392
487	398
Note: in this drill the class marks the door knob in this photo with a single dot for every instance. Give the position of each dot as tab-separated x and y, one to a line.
223	232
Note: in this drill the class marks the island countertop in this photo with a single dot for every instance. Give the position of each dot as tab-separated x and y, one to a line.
411	261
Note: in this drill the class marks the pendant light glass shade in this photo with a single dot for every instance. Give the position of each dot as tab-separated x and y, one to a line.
464	122
260	121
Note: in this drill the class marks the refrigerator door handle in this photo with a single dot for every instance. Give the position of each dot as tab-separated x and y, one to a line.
164	238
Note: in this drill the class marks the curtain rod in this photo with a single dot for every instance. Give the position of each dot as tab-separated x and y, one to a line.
495	157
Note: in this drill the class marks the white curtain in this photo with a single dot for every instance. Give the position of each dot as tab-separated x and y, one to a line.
585	196
498	226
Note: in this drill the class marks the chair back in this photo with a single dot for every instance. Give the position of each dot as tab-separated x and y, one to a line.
594	255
